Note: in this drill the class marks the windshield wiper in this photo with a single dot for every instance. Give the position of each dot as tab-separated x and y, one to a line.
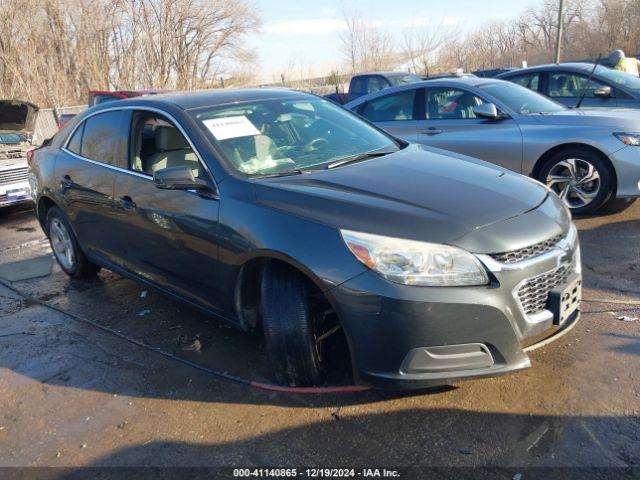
359	158
284	173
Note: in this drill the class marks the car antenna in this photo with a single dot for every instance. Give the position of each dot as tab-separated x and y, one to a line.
588	84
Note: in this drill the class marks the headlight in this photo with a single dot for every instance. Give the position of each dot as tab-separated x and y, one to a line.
416	263
632	139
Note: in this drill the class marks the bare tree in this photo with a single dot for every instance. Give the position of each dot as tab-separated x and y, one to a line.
421	45
364	44
53	51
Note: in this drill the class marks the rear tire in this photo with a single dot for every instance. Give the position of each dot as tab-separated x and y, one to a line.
581	177
289	327
65	246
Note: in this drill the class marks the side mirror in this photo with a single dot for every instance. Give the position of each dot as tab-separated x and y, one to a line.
181	178
602	92
486	110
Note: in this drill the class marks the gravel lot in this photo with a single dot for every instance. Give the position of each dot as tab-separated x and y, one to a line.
72	394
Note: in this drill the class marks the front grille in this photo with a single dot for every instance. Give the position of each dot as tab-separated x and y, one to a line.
534	293
528	252
14	175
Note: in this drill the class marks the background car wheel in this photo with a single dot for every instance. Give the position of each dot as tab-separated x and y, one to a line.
65	246
289	326
581	177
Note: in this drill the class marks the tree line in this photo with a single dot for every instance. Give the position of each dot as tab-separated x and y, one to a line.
591	27
53	51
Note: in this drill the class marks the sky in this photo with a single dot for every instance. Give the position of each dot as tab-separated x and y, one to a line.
306	32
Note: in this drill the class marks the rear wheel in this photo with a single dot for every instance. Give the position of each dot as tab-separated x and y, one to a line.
290	327
580	177
65	246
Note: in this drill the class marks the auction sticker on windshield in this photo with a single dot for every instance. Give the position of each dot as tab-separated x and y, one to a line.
231	127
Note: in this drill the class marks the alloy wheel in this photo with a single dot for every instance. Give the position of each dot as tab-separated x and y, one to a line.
62	244
576	181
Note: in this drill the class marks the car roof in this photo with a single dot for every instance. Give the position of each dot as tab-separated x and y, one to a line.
575	66
386	74
205	98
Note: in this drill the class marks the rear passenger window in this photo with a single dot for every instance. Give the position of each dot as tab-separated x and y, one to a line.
105	139
390	108
530	81
76	139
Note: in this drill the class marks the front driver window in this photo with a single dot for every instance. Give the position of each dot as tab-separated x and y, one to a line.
450	103
571	85
156	144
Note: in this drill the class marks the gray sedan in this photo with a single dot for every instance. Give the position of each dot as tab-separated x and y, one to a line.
586	156
565	83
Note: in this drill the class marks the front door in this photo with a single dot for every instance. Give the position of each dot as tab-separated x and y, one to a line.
168	237
450	124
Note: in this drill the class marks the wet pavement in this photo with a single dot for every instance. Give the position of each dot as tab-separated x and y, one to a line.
75	394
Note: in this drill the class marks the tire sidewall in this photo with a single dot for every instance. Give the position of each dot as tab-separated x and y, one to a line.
606	178
55	212
289	340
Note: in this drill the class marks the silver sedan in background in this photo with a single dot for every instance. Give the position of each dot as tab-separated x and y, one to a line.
586	156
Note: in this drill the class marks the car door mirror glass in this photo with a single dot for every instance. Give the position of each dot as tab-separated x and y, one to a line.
486	110
603	92
180	178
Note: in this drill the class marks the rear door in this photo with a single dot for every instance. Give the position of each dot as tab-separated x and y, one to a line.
168	237
86	172
451	124
567	87
395	113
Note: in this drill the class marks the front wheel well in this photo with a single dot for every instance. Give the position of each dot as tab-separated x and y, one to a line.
248	309
568	146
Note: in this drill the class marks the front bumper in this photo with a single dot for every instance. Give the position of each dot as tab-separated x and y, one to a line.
413	337
626	162
15	193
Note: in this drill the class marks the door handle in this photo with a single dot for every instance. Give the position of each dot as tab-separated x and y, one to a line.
126	202
432	131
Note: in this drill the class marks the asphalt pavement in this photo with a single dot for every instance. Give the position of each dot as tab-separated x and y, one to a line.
81	383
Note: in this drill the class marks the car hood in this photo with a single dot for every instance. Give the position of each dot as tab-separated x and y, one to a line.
17	115
596	117
418	192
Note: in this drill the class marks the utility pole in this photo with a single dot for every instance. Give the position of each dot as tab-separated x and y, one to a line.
560	25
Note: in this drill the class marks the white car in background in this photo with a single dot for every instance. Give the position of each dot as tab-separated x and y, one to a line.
16	126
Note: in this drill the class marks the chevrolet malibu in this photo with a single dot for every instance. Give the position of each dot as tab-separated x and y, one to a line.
279	210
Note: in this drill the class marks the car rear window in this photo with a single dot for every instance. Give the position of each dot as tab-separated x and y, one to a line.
104	138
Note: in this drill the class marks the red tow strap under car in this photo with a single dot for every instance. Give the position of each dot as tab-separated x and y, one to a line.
220	375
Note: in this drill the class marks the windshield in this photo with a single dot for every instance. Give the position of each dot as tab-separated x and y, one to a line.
396	80
10	138
521	99
278	136
618	78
